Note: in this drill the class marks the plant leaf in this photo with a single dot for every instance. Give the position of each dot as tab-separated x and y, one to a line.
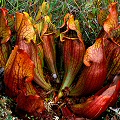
4	37
30	101
113	63
97	104
19	73
94	73
112	52
47	36
4	54
40	52
73	51
64	25
38	61
26	34
10	19
15	72
112	20
32	50
4	29
24	27
67	114
18	20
